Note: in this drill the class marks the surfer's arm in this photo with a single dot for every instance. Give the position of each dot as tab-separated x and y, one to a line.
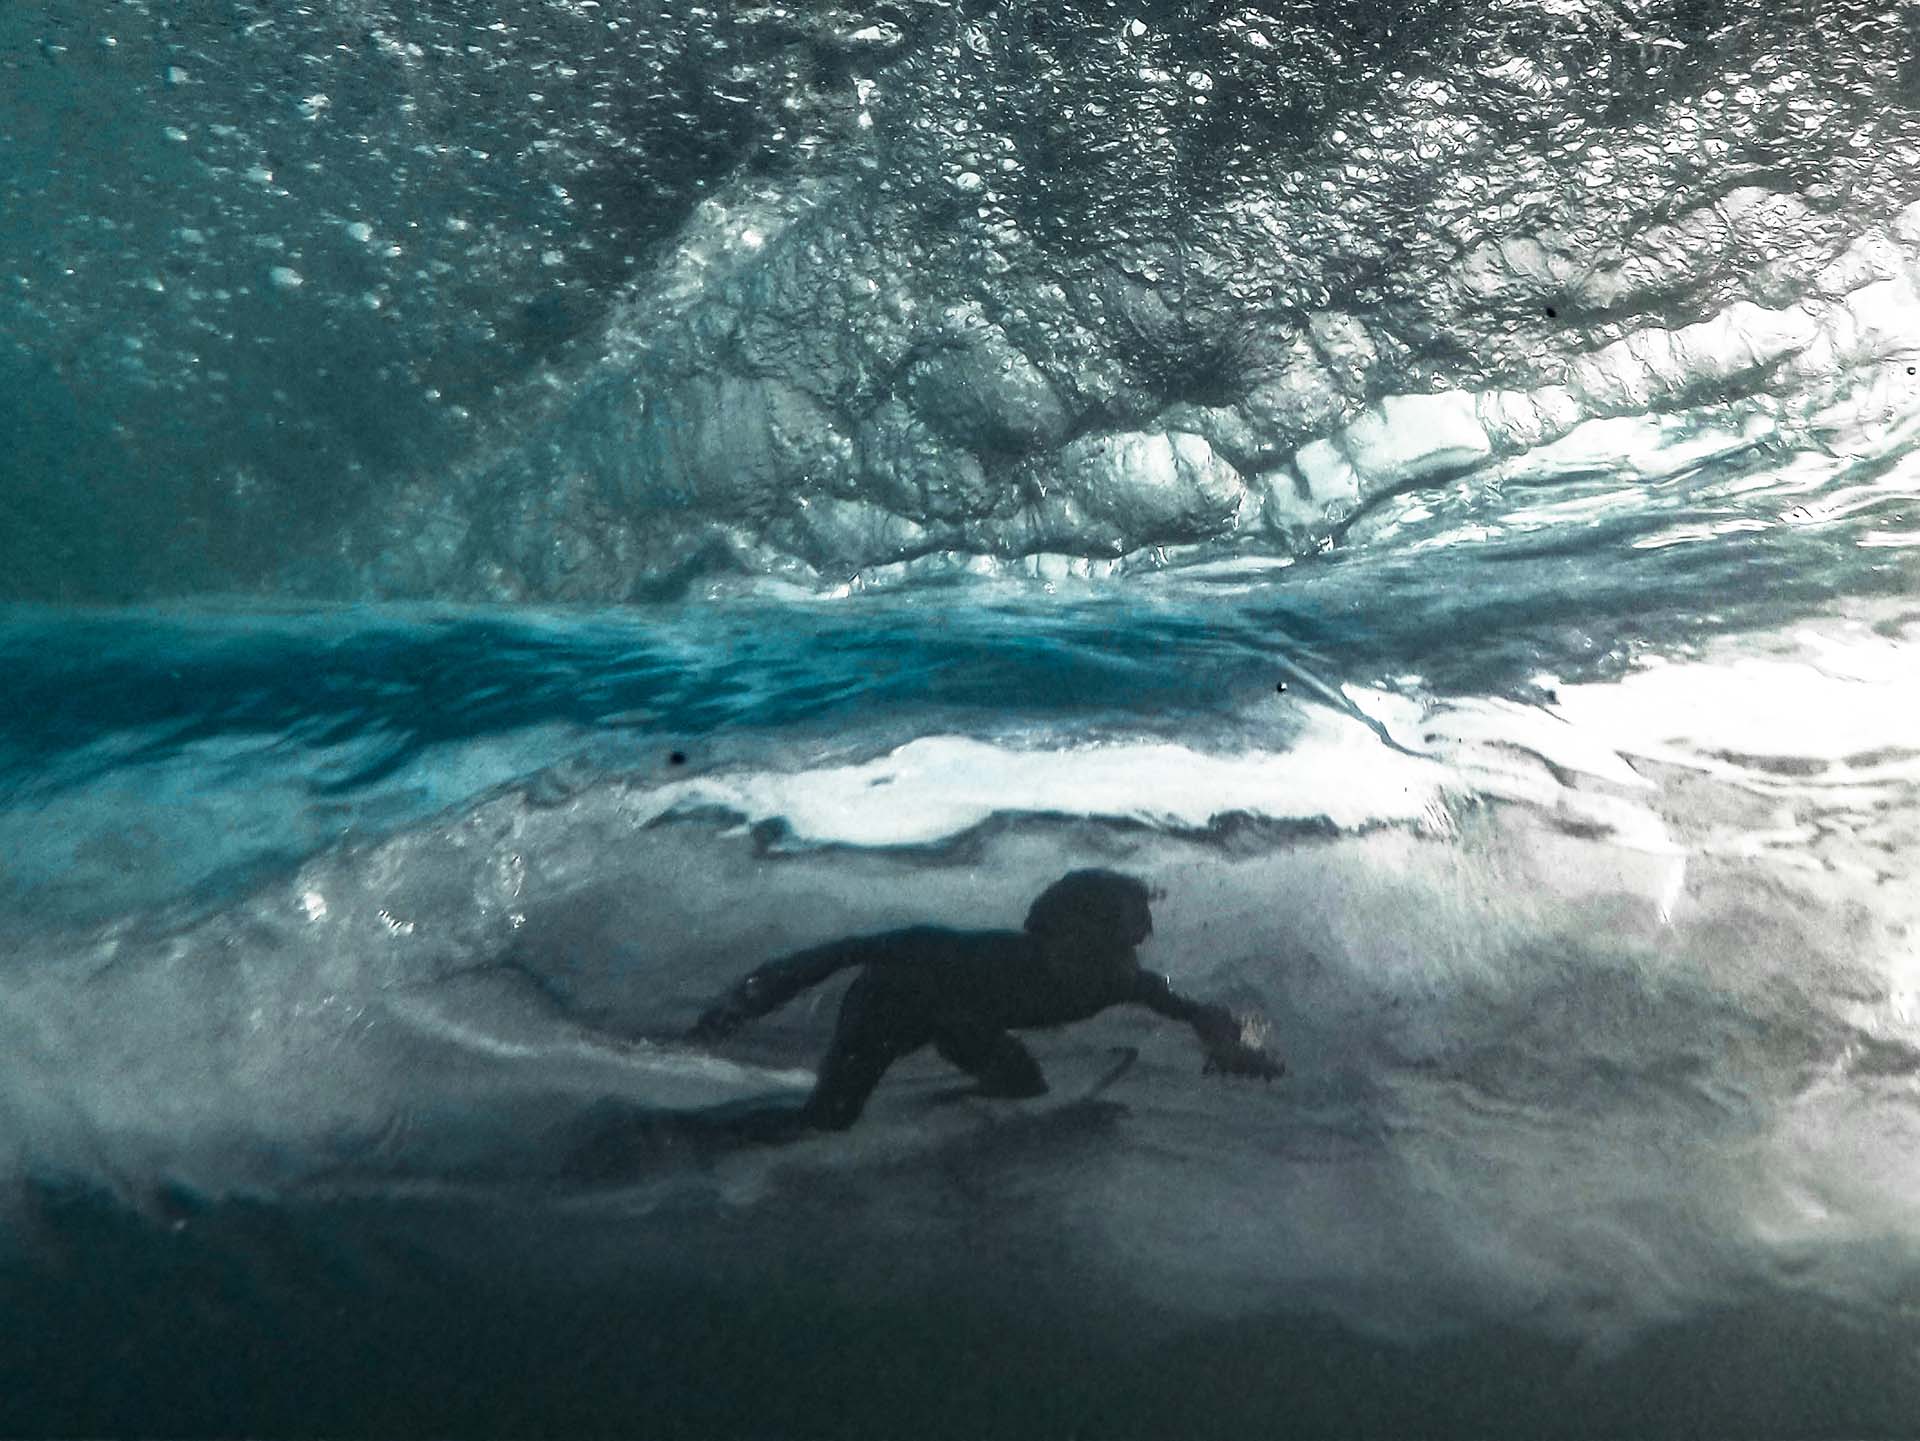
771	986
1232	1043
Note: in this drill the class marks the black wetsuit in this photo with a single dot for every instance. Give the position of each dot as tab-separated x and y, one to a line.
961	992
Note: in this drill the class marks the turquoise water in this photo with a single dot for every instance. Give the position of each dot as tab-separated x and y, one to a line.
234	738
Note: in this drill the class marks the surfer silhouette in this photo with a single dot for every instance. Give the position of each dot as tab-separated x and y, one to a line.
965	993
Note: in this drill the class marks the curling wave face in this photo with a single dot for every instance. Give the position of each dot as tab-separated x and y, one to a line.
888	291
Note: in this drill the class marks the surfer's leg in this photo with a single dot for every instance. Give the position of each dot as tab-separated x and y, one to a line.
877	1027
1001	1064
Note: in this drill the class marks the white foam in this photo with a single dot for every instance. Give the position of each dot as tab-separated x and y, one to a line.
941	786
1408	437
1341	770
1495	722
1839	697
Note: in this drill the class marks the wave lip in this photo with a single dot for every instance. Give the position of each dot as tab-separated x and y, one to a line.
979	344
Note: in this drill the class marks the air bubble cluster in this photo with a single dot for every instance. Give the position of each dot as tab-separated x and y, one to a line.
597	298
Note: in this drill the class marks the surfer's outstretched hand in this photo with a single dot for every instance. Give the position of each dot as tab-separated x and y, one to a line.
1235	1046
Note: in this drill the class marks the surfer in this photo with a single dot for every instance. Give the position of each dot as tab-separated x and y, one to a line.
965	992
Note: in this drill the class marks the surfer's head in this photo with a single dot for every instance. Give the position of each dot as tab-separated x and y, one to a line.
1092	908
